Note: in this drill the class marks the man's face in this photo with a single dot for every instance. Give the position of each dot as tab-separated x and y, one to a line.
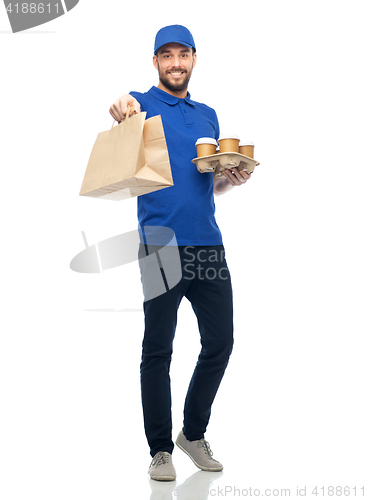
175	63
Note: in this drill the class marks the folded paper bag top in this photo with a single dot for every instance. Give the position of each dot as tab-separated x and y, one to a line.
128	160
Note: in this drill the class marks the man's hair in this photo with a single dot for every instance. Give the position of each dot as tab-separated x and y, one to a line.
193	50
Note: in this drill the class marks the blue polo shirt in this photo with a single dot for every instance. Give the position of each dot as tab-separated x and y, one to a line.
188	207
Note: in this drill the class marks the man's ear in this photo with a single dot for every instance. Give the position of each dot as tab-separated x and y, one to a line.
155	62
194	59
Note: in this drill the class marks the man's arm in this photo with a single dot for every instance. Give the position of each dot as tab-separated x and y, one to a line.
119	109
233	177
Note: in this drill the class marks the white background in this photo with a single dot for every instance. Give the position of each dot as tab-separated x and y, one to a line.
291	411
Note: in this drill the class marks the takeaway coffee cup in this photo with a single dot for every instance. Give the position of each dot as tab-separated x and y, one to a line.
206	146
247	149
229	144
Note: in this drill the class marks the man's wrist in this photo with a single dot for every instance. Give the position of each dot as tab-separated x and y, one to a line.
222	185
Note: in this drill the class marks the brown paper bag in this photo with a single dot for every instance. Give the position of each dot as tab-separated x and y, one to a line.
129	160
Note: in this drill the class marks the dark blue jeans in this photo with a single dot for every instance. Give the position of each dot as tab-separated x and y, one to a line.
206	283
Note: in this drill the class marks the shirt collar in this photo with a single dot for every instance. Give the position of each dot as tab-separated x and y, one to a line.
168	98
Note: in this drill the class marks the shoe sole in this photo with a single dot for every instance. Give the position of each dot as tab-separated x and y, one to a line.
163	478
208	469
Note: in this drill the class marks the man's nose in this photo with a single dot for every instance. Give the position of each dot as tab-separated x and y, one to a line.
176	62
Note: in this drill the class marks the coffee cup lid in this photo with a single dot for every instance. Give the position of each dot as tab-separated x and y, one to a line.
229	136
206	140
246	143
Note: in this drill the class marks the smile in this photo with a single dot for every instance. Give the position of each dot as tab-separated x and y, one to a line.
176	74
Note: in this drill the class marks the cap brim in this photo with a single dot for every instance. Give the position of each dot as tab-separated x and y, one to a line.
175	41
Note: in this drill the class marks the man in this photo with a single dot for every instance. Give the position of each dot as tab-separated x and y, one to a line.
188	209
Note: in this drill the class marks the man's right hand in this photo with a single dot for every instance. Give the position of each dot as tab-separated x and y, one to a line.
119	109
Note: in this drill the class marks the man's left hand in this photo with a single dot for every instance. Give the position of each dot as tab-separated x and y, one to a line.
236	177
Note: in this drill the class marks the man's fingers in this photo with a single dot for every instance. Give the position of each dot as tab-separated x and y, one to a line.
115	113
231	177
236	177
122	109
111	111
244	174
119	109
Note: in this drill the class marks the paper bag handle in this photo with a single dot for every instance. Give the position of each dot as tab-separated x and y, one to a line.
128	111
127	114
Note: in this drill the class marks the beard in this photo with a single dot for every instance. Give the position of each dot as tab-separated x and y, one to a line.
173	84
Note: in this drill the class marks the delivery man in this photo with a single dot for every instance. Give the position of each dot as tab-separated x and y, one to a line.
188	209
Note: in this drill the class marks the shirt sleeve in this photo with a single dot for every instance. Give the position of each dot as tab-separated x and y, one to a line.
217	126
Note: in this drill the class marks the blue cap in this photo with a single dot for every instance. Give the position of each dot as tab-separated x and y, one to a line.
174	34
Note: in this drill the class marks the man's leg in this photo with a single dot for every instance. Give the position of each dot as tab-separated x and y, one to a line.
211	296
160	324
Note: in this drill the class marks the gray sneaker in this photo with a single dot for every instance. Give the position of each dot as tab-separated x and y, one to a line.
200	452
161	468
